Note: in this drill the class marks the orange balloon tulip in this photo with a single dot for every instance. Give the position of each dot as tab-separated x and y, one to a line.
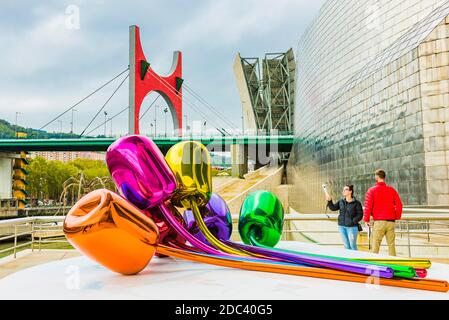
111	231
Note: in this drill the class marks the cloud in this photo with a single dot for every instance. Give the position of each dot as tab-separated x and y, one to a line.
225	23
39	47
46	67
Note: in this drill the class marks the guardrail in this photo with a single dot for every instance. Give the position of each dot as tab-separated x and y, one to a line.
15	212
38	228
428	223
33	211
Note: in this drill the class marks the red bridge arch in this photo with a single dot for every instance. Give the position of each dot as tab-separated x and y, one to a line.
143	80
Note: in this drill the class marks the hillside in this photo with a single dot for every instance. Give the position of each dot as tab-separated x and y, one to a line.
8	130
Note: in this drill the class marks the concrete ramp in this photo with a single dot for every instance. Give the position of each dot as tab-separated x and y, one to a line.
235	190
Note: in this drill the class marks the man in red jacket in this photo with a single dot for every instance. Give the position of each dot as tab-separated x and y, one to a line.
383	203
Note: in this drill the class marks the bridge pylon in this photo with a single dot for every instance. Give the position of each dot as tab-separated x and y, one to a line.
143	80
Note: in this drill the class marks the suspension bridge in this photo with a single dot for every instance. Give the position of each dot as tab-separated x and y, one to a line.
143	80
217	143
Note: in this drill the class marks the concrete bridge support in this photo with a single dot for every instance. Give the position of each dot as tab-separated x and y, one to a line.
239	157
261	155
6	171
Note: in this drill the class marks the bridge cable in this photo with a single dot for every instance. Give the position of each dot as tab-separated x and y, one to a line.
204	102
172	89
196	108
119	113
214	112
104	105
83	99
148	109
104	122
193	105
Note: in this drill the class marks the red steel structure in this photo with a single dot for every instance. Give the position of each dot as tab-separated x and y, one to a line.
143	80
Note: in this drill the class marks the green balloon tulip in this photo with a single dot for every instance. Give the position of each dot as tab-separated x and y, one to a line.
261	219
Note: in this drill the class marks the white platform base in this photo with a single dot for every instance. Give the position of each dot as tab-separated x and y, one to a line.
81	278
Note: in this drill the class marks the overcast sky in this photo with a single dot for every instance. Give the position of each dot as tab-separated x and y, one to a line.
48	61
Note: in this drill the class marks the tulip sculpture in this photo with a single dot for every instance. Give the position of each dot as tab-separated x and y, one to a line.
261	216
124	232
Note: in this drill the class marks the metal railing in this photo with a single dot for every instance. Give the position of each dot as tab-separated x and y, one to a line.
36	231
418	228
46	210
15	212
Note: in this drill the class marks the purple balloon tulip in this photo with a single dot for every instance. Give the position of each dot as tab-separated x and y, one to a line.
217	217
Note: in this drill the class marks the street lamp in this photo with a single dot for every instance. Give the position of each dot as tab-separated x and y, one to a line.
165	114
17	113
185	123
105	121
71	123
155	123
60	128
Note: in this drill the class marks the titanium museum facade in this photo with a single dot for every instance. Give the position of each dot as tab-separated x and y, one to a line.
372	91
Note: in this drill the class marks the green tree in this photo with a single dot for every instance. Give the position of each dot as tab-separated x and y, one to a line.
58	172
94	169
51	179
37	177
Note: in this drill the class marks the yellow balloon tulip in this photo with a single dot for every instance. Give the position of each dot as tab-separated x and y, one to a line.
191	163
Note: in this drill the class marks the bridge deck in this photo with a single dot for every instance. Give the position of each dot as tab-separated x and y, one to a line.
279	143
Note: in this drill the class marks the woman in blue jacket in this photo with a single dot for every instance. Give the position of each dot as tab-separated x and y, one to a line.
351	212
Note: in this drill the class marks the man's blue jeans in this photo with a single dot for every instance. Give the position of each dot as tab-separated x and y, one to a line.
349	236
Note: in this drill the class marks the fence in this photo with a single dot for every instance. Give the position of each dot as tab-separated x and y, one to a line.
419	228
36	230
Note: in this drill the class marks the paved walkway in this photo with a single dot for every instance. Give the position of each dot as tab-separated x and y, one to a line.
82	278
26	259
232	187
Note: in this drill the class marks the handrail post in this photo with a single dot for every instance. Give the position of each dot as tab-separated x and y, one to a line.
369	238
408	240
32	236
15	241
284	233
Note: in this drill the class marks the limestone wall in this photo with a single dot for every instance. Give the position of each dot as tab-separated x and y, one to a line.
434	77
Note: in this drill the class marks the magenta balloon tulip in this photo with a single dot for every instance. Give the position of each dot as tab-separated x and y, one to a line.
144	178
140	173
